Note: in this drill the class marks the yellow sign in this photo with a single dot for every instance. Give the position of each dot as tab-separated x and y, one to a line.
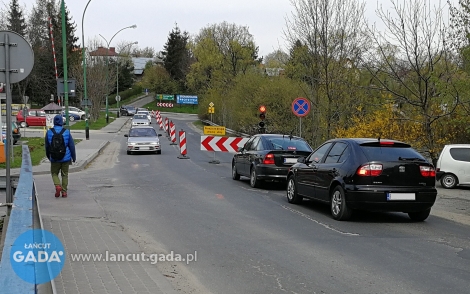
211	110
217	131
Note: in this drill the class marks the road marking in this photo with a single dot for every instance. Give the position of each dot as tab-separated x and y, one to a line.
219	196
317	222
256	190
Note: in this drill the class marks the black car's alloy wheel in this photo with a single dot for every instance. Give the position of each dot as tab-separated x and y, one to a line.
339	208
254	182
292	196
449	181
235	174
419	216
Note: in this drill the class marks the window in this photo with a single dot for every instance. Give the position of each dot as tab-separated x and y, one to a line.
318	154
41	113
460	154
379	153
335	153
148	132
31	113
286	143
254	144
248	144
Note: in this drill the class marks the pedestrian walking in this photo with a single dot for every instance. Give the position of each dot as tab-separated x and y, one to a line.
60	150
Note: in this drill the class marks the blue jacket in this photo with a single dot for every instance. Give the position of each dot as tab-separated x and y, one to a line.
69	143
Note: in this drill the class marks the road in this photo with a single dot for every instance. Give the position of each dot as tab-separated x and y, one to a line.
252	241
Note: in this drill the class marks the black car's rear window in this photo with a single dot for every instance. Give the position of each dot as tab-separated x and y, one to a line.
285	143
377	152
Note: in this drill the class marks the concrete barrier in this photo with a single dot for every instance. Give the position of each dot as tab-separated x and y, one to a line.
24	216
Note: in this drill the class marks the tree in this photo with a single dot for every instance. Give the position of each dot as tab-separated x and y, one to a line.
326	39
158	80
418	74
147	52
276	59
176	56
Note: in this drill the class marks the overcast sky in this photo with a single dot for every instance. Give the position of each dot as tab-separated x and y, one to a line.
155	19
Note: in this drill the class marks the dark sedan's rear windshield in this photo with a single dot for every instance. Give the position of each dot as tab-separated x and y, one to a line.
130	107
280	143
390	153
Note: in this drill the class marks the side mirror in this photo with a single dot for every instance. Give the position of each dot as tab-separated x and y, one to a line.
301	159
126	135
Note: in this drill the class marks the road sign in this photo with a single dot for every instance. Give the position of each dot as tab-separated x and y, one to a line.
301	107
118	98
164	97
85	102
186	99
211	104
211	130
222	144
21	57
211	110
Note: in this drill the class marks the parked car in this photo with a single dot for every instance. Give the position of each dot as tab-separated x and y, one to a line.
140	120
77	113
127	110
268	157
147	113
143	139
14	130
35	117
453	166
72	116
368	174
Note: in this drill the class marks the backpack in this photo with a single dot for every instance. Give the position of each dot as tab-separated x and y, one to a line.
58	147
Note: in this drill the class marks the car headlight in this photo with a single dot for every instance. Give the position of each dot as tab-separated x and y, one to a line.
131	143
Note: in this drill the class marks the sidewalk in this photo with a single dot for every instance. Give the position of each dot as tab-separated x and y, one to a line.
81	225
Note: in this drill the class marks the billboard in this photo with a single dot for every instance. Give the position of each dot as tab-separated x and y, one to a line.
186	99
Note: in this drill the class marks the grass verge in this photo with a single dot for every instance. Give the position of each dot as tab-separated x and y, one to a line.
36	150
94	125
199	124
179	108
124	101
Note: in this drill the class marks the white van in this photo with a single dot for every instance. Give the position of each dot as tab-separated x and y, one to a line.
453	166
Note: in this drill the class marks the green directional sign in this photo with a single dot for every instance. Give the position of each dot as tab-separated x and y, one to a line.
165	97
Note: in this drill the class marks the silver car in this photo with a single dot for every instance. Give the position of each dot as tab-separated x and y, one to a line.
139	120
143	139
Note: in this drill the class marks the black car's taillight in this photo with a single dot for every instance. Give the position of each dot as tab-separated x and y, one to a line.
372	170
268	159
427	171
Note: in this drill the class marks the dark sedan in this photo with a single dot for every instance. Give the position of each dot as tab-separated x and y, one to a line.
127	110
268	157
369	174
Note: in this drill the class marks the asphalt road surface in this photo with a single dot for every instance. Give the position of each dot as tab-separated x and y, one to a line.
253	241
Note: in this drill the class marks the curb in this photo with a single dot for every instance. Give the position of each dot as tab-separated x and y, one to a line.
90	158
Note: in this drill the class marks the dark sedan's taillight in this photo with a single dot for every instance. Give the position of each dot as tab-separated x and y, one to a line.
427	171
373	170
268	159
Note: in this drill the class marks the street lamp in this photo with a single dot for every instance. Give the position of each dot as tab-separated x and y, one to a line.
118	98
107	68
87	127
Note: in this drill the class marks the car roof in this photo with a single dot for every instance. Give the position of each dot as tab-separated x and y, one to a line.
458	145
278	135
363	140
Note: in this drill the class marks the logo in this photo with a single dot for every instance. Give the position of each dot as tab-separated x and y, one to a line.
401	169
37	256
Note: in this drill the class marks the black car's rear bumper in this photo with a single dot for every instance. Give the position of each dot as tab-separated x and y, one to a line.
271	172
376	200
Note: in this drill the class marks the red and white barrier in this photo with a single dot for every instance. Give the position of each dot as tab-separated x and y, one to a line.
166	124
164	104
172	133
183	150
160	122
222	144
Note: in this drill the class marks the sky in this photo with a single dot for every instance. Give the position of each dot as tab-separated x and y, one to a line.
266	19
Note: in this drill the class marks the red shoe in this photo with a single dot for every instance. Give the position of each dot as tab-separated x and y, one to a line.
64	194
58	189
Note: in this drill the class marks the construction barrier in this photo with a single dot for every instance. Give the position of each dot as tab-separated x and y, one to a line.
160	122
222	144
172	133
168	105
183	150
166	124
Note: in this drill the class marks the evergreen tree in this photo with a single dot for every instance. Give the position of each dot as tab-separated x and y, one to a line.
15	19
176	56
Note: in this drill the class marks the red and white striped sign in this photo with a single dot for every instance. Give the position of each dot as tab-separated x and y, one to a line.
222	144
172	132
182	135
166	124
160	122
164	104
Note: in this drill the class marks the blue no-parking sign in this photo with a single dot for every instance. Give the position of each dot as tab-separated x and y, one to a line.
301	107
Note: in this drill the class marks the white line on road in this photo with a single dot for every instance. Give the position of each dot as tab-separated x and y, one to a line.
320	223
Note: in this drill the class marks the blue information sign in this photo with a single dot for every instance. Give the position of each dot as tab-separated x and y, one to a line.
301	107
186	99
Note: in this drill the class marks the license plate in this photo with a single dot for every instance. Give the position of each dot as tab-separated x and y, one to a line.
290	160
143	148
401	196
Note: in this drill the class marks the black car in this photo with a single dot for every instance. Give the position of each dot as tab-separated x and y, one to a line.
127	110
268	157
368	174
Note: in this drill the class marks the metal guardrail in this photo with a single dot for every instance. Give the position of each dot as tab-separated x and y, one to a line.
24	216
208	122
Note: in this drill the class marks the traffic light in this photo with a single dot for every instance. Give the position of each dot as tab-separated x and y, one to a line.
262	116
